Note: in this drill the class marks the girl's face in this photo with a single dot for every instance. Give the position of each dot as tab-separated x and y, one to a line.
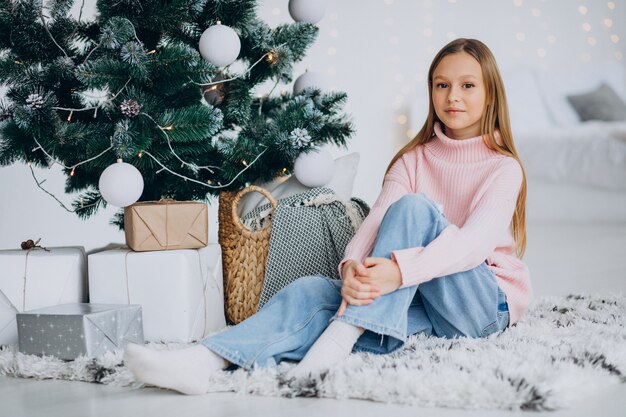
459	95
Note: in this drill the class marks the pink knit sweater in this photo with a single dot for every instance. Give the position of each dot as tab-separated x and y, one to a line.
477	189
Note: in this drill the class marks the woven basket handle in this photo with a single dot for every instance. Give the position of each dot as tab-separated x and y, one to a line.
243	192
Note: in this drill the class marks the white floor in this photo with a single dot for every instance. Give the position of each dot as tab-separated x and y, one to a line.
19	397
563	258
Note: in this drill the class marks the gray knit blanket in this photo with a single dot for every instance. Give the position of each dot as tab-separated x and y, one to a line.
310	232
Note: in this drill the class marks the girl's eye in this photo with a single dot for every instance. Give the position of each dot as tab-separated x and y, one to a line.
442	85
468	85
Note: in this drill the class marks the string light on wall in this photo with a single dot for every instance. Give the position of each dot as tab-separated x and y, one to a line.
614	38
520	36
541	52
610	5
608	22
397	104
582	10
402	119
518	3
586	26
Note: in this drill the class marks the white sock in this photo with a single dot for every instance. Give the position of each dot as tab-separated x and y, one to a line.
184	370
330	348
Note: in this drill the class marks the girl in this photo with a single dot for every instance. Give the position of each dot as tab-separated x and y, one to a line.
444	240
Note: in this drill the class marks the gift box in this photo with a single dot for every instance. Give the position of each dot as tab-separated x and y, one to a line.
180	291
68	331
165	225
38	278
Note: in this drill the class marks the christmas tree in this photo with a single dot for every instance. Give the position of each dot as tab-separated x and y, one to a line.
132	84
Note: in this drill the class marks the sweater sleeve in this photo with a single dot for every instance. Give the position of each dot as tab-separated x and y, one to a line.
460	249
395	185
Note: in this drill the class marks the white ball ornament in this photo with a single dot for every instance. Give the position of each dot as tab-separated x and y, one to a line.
314	168
307	11
220	45
309	79
121	184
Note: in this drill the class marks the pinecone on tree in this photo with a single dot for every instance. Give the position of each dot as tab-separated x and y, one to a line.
130	108
35	101
300	138
134	79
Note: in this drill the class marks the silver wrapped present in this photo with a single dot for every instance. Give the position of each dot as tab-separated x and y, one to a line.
71	330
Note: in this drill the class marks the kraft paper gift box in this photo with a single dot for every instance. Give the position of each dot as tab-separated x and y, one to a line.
180	291
165	225
68	331
38	278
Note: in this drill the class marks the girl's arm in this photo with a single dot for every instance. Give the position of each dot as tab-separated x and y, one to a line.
396	184
460	249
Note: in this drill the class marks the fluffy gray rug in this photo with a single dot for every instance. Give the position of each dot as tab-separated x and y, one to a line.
565	348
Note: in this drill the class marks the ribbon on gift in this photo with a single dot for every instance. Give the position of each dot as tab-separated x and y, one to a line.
203	282
28	250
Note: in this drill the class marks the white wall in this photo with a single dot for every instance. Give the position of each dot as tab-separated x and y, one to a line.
378	51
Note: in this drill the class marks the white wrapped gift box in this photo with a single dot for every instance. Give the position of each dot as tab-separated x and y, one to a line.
180	291
37	278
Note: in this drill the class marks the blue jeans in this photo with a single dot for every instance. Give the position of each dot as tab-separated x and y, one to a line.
465	304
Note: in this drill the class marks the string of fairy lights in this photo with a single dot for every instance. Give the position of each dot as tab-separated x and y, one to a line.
595	31
272	57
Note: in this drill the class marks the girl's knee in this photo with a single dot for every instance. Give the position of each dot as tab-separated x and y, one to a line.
312	284
416	205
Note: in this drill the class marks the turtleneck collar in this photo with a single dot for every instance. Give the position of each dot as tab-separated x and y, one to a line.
459	150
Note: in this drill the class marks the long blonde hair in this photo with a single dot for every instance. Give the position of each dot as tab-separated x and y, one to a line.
495	118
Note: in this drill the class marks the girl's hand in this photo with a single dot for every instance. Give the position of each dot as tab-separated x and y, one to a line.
353	291
383	273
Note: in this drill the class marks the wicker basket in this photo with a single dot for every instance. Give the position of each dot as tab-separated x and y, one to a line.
244	253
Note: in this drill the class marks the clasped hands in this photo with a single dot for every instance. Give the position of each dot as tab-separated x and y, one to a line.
364	282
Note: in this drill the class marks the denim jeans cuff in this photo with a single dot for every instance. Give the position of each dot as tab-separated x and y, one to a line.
228	355
373	327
